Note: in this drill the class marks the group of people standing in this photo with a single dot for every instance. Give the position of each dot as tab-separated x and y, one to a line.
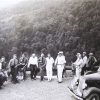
45	64
36	65
85	67
83	64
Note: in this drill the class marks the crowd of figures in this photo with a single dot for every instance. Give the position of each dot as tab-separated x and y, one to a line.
84	67
84	64
44	66
36	65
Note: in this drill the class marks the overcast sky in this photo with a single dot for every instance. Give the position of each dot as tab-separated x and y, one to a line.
8	3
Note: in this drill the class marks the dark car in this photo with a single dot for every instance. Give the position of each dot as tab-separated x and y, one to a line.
89	86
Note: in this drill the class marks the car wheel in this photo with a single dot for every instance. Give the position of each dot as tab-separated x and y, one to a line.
93	96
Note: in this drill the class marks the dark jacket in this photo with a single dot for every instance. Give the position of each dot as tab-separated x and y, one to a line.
42	65
91	63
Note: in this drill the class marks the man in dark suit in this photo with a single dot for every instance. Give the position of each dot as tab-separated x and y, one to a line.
13	68
42	66
91	62
22	65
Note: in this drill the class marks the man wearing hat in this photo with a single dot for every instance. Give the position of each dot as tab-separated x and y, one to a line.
60	63
91	62
78	64
75	63
84	63
33	64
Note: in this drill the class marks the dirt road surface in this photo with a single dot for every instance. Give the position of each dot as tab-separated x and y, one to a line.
36	90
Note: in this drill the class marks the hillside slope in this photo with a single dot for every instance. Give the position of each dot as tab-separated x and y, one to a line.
54	25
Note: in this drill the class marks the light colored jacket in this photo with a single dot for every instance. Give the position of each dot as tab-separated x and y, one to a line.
60	60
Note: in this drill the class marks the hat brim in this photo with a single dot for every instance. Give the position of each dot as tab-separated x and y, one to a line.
60	53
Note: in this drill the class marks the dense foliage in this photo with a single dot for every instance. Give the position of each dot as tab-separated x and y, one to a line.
49	26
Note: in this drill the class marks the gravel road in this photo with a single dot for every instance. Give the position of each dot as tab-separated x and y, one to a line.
36	90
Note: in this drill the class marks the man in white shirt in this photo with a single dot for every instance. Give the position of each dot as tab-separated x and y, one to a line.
33	64
78	65
74	64
84	63
84	58
60	63
49	66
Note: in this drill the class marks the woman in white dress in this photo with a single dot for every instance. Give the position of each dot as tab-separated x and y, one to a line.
49	66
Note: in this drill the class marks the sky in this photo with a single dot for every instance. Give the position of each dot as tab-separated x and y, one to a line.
8	3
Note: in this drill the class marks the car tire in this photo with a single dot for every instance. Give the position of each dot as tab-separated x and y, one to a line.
93	96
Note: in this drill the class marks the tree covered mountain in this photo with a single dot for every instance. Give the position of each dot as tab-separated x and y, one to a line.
49	26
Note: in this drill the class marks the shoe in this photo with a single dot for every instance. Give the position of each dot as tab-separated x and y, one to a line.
60	82
48	80
17	81
34	78
42	78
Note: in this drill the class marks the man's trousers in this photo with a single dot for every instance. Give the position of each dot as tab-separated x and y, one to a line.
14	74
60	69
33	69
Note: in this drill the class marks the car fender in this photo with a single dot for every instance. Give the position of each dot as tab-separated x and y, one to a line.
90	90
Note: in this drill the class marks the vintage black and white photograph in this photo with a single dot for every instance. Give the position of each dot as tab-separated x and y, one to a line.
49	49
